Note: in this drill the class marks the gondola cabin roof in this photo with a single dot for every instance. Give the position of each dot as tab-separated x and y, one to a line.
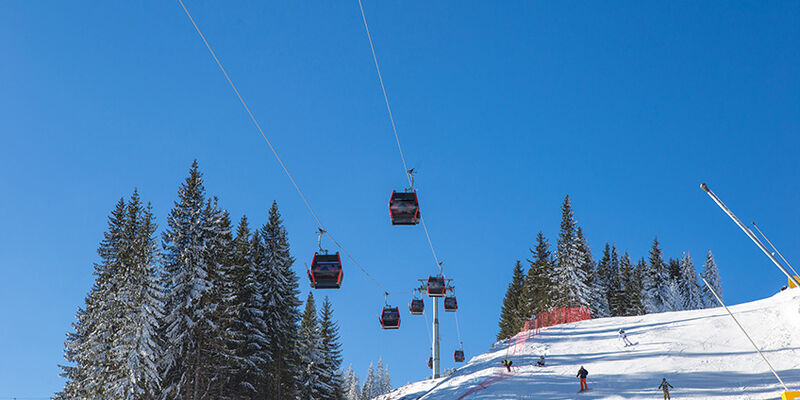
404	208
326	271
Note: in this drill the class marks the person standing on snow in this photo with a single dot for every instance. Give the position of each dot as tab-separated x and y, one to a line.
507	364
624	337
583	373
665	386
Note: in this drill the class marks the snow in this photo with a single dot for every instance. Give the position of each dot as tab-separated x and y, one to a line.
702	353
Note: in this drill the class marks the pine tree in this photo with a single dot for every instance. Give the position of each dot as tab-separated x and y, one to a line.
281	314
383	383
136	308
196	351
510	321
248	332
620	303
673	301
369	384
585	254
312	375
636	292
629	294
674	267
711	273
656	281
350	385
691	292
332	351
88	347
569	276
602	285
538	286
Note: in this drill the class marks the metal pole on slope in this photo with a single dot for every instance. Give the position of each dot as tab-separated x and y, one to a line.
744	331
435	337
774	248
749	233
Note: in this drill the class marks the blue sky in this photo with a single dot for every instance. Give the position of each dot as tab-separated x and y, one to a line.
503	109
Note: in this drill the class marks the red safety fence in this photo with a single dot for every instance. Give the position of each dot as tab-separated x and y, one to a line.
559	316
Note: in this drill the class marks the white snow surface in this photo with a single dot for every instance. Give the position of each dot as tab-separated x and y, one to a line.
702	353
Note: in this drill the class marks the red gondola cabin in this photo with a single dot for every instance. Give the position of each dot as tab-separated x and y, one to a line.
458	356
390	318
436	286
404	208
450	304
417	307
326	271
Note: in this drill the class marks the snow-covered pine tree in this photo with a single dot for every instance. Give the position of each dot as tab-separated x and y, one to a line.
351	385
88	347
220	345
537	286
510	321
674	267
711	273
569	276
691	293
312	379
636	289
281	314
602	285
369	384
332	351
135	309
673	300
191	330
656	281
248	337
383	382
585	253
620	303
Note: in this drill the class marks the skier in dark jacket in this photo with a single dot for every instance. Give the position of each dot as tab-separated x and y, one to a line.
583	373
665	386
507	363
540	363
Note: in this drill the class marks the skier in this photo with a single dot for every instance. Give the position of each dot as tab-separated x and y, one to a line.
540	363
507	363
624	337
665	386
582	373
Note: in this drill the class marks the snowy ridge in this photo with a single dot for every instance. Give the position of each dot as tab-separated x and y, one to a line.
701	353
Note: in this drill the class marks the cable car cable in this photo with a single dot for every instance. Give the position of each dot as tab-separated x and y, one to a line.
394	128
274	152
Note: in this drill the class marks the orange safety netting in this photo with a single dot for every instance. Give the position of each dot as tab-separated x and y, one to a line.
558	316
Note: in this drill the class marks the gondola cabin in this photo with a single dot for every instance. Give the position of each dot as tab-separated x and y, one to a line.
417	307
458	356
430	362
450	304
404	208
390	318
436	286
326	271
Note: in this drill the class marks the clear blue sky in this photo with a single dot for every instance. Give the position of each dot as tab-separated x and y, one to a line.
502	108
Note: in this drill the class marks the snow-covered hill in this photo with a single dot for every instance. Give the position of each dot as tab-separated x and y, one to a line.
701	353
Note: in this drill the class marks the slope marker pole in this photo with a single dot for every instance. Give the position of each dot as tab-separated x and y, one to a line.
745	332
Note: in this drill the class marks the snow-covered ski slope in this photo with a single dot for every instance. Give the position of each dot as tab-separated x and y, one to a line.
701	353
